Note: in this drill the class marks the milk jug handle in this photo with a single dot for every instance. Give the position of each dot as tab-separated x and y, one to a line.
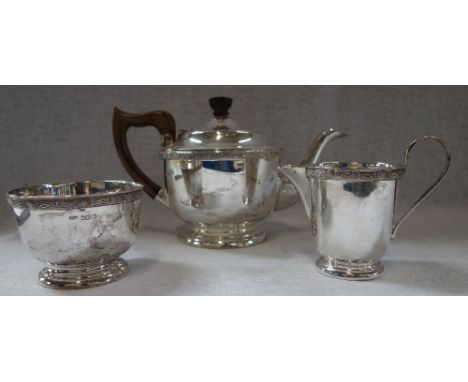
432	186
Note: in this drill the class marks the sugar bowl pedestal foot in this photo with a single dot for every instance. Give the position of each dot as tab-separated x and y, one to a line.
83	275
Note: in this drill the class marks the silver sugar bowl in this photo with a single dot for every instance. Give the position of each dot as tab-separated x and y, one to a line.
220	180
78	229
351	210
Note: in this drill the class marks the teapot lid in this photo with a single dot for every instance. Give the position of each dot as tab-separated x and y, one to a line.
355	171
220	138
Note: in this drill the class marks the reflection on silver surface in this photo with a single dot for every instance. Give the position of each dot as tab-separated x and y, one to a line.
78	229
350	206
216	194
352	224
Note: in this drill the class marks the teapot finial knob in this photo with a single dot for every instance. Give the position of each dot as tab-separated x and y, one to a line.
220	106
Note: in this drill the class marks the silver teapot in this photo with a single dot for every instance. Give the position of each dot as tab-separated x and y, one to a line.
351	207
220	180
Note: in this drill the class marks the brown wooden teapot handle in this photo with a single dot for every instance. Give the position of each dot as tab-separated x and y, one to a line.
121	123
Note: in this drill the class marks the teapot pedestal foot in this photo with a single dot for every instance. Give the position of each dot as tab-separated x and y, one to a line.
83	275
217	236
349	270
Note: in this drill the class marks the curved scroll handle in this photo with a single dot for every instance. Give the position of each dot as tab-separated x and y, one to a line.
432	186
121	122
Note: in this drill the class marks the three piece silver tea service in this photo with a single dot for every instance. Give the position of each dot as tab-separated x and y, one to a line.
221	181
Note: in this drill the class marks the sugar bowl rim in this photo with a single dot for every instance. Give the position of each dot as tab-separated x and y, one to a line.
24	197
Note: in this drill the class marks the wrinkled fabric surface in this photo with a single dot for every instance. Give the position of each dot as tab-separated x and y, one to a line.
428	257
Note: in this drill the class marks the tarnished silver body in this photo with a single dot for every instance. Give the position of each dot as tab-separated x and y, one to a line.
351	210
78	229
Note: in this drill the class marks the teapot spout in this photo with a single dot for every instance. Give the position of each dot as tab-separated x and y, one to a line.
296	174
319	143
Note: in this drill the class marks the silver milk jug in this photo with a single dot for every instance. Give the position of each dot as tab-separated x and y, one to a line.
221	180
351	209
